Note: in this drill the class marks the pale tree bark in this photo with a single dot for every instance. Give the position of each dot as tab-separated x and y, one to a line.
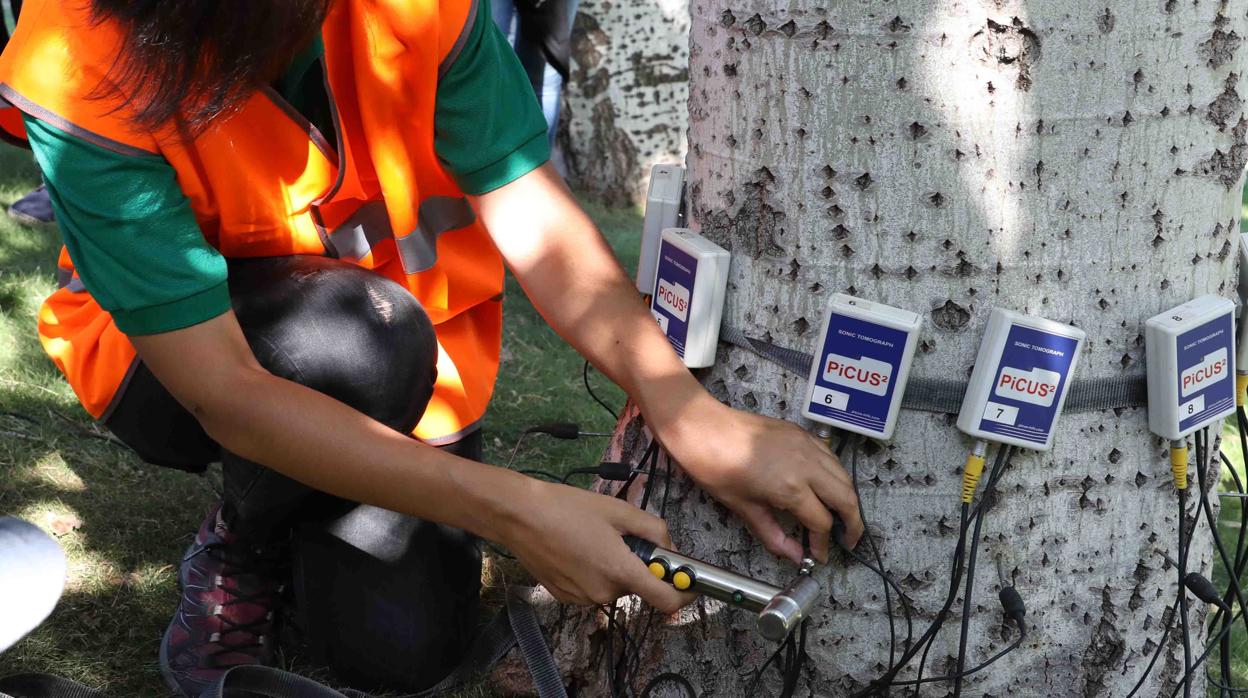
1078	161
627	95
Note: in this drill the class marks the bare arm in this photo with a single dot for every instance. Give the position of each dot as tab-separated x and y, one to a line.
325	444
754	465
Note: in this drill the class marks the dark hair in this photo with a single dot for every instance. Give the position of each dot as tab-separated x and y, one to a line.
193	60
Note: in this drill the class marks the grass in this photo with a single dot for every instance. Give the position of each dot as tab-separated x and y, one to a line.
124	523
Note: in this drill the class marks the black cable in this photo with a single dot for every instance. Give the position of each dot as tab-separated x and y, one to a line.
667	487
590	389
614	674
1181	603
607	470
1224	688
758	674
624	673
975	669
883	682
1202	456
998	467
889	583
969	594
924	640
797	658
650	467
1236	571
840	446
1161	643
1182	569
622	670
650	452
540	473
1212	644
1241	553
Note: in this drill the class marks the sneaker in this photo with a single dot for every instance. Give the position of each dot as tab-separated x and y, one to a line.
231	595
33	209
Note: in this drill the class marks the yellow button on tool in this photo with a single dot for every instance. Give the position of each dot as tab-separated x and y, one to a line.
682	580
658	569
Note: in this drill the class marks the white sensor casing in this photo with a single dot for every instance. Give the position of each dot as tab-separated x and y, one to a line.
860	367
1021	378
687	298
667	187
1190	351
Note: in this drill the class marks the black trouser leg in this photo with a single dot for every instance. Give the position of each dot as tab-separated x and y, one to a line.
382	596
353	335
329	325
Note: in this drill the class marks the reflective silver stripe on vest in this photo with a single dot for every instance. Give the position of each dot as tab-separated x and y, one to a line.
438	214
65	279
369	225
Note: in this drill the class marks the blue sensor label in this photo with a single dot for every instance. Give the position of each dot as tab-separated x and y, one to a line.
1031	376
673	294
855	381
1205	385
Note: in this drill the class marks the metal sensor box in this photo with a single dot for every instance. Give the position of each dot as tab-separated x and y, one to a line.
687	298
861	365
667	188
1021	378
1191	366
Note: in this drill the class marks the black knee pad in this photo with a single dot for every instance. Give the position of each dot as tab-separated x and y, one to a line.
386	600
353	334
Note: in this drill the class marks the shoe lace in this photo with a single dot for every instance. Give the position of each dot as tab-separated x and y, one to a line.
251	574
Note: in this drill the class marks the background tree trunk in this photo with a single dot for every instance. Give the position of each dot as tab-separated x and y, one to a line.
1076	161
625	102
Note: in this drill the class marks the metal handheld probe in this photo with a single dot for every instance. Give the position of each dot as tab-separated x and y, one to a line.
779	610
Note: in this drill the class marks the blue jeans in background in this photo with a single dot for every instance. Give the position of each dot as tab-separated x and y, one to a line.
547	83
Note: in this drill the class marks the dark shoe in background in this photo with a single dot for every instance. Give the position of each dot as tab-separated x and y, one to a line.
34	209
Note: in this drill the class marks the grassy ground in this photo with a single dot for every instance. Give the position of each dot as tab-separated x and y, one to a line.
123	523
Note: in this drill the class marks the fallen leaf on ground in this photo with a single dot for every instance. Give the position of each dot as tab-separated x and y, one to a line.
64	523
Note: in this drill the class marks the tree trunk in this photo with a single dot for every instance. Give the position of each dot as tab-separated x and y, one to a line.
627	95
1074	161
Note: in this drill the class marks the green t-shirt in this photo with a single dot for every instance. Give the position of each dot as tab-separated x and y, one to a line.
132	234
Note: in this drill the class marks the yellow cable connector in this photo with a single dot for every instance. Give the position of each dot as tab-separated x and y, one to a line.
1241	386
1178	463
973	471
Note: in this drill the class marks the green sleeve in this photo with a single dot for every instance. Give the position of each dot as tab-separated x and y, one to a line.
488	127
131	233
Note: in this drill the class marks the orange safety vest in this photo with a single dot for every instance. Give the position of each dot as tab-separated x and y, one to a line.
264	182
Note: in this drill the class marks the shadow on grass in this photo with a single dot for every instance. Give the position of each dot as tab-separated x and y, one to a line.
122	523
